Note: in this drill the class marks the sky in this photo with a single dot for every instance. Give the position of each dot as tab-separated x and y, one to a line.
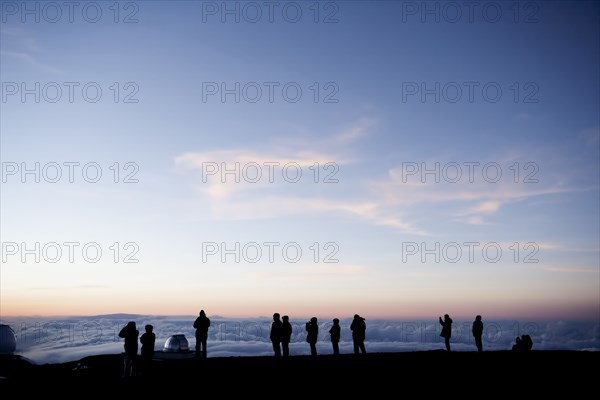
396	159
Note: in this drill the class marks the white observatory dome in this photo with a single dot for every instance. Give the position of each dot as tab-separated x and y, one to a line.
176	343
8	341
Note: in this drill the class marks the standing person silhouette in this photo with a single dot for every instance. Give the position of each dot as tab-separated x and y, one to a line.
335	333
446	332
477	330
202	323
358	328
130	334
276	334
286	336
147	340
312	329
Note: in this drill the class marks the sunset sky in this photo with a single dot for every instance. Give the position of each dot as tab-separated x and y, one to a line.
394	159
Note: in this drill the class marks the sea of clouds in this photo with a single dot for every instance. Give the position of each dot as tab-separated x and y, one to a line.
57	340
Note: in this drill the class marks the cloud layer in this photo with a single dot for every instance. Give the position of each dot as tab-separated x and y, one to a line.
62	340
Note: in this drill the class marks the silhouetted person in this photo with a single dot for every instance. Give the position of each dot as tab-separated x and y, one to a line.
335	333
130	334
527	342
358	328
202	323
477	330
312	335
446	332
523	343
147	340
276	334
517	346
286	335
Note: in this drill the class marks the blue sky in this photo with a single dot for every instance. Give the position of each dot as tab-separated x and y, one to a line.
372	96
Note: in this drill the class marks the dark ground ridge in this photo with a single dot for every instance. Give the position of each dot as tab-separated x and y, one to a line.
551	372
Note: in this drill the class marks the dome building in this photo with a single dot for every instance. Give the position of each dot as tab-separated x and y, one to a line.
8	340
176	343
175	347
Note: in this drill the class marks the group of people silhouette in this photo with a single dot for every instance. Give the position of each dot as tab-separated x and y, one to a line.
280	336
476	330
523	343
130	333
281	333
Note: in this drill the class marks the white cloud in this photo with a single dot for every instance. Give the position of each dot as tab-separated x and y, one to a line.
472	201
19	47
387	202
569	269
54	341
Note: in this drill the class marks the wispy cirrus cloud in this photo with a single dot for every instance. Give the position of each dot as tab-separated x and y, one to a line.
471	201
568	269
271	157
233	199
19	47
230	188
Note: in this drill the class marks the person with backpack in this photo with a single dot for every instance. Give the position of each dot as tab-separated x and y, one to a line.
130	334
358	328
312	335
